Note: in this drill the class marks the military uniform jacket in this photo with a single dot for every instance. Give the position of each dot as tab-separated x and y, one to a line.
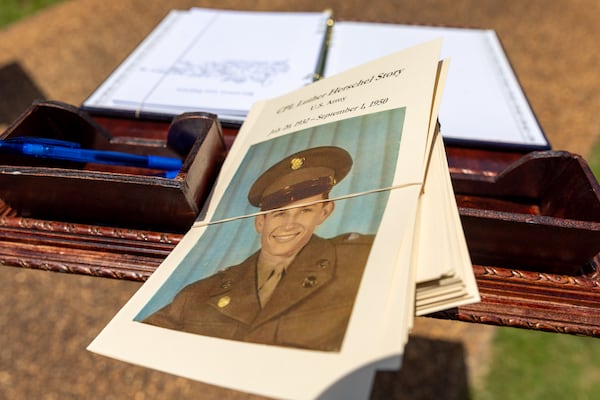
310	308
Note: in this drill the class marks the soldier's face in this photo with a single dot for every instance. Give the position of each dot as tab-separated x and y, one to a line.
283	233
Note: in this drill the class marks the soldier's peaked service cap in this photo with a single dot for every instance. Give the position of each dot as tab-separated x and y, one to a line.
300	175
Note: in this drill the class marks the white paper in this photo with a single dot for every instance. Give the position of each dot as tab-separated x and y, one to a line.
482	101
216	61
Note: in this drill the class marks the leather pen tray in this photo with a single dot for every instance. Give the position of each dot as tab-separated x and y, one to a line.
111	195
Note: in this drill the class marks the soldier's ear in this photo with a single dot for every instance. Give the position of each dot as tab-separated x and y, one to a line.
327	209
259	222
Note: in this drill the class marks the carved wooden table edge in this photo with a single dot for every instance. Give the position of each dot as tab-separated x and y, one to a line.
533	300
102	251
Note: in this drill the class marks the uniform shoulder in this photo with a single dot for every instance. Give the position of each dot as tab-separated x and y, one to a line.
216	280
353	238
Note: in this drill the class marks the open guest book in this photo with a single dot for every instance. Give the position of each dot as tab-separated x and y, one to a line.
222	61
332	222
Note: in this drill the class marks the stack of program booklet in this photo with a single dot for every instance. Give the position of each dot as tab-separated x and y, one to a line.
332	223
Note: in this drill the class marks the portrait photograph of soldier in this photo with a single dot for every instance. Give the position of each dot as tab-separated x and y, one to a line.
289	271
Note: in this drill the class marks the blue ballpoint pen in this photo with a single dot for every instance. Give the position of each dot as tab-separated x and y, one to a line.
70	151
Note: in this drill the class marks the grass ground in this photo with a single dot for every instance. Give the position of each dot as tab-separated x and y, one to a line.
525	364
12	10
542	366
594	160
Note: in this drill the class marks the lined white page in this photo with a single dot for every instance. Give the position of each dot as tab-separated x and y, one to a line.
483	100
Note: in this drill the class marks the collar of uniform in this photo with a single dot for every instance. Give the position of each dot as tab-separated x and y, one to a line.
313	268
264	272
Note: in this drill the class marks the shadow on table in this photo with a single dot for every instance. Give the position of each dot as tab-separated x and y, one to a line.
17	92
431	369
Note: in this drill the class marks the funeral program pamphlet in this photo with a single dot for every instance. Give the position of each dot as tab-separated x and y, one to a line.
299	278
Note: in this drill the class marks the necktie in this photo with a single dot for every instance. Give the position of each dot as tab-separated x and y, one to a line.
266	290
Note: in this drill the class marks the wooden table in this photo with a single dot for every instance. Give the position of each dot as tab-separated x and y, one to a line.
532	223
